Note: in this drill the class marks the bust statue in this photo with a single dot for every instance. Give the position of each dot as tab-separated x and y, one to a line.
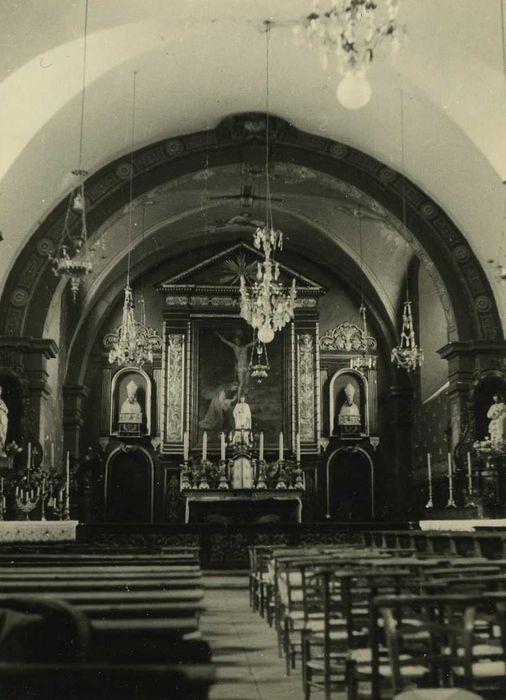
131	412
349	413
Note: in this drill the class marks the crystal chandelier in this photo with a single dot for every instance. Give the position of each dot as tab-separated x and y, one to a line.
132	343
73	259
353	31
407	354
267	305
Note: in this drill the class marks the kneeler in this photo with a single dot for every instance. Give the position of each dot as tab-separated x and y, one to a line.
36	630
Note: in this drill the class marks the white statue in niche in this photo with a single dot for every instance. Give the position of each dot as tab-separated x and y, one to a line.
497	426
350	412
131	412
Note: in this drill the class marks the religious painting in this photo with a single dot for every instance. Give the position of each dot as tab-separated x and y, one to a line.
224	378
130	403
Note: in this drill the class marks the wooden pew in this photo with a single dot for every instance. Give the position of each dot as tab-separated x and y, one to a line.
102	681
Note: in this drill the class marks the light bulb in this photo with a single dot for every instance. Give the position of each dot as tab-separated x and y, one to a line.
354	91
266	334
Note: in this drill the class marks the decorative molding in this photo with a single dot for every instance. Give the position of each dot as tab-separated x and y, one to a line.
349	337
306	386
175	385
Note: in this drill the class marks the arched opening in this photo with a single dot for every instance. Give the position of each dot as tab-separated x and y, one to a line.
129	486
350	486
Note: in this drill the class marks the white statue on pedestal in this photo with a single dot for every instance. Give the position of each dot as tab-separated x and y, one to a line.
242	422
497	425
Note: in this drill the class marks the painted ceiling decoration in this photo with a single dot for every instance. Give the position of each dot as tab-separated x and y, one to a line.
237	139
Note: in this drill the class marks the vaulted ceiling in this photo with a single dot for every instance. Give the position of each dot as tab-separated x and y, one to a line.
201	60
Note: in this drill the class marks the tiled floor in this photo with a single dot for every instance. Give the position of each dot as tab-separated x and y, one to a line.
244	647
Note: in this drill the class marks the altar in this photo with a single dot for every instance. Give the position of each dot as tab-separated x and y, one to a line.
243	505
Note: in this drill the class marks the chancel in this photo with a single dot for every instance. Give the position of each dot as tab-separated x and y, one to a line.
252	349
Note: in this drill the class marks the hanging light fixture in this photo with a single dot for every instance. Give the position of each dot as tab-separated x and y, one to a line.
259	361
73	259
499	265
407	354
267	304
352	30
132	343
363	360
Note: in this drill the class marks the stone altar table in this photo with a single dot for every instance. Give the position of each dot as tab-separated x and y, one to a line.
250	500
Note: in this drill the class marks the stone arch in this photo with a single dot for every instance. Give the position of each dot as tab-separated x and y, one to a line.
31	285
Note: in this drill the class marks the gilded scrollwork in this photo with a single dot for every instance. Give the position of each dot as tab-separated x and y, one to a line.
348	337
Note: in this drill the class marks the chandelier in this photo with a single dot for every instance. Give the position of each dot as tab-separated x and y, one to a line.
407	354
353	31
73	259
363	360
132	343
267	305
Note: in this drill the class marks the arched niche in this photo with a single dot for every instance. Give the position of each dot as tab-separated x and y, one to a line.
350	485
119	402
129	483
489	384
337	386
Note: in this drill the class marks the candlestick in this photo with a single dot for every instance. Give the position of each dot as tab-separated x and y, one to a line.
281	450
204	446
28	463
186	446
67	475
42	500
451	501
223	448
261	446
430	502
297	448
469	474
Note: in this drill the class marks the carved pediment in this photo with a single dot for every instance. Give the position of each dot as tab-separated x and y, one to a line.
221	275
347	337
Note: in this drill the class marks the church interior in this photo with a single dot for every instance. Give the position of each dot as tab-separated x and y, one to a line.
252	350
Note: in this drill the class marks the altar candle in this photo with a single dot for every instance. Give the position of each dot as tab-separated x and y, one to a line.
297	448
450	472
28	463
261	446
429	468
281	450
67	477
186	446
222	438
204	446
469	473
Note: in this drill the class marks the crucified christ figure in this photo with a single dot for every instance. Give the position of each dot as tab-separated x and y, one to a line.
241	361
